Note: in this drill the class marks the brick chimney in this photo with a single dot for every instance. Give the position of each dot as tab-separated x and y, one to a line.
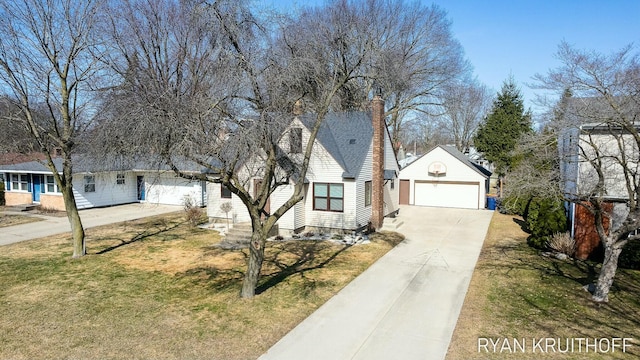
377	181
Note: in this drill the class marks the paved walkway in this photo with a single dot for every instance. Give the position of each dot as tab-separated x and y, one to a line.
52	225
406	305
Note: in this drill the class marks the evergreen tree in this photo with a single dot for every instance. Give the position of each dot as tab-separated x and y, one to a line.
498	134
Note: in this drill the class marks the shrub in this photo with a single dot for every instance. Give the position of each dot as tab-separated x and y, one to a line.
538	242
195	215
514	205
2	200
562	243
545	217
630	256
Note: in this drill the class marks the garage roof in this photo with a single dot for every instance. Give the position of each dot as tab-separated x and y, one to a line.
460	156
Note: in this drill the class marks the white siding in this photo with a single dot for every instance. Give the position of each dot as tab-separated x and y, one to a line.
364	213
610	149
279	197
299	214
324	169
169	189
391	196
107	192
239	211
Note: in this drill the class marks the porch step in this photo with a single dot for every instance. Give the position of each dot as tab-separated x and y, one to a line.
23	207
391	224
240	232
238	237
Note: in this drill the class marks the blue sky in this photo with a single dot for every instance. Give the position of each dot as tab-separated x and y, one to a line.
520	37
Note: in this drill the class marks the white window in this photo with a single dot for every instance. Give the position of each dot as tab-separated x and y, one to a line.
20	182
120	178
89	183
51	187
367	193
328	197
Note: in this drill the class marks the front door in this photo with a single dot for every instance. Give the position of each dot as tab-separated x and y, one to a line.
37	187
141	194
404	192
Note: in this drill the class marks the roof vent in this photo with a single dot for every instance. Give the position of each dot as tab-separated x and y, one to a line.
352	141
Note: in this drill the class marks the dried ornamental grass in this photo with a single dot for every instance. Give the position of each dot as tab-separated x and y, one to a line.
562	243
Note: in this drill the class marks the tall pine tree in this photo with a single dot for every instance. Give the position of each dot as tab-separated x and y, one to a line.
498	134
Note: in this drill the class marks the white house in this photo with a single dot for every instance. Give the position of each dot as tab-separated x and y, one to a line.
32	183
444	177
340	187
585	150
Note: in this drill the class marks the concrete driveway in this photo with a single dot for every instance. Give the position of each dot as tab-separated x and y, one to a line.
90	218
406	305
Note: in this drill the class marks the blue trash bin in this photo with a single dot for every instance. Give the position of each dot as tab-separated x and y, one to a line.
491	202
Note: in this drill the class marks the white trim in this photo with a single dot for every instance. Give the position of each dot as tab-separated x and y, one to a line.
56	189
19	181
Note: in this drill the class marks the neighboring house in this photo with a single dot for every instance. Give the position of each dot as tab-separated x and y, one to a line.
32	182
407	159
576	147
340	186
477	157
444	177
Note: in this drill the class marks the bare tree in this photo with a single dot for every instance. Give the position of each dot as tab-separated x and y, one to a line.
464	104
210	83
15	136
207	83
418	58
601	142
47	62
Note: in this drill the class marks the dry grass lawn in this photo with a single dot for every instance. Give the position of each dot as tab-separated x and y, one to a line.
159	289
516	293
11	219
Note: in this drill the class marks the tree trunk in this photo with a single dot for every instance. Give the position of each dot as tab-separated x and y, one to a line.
254	262
607	272
77	230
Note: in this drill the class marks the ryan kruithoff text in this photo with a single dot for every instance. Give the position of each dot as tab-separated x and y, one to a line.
554	345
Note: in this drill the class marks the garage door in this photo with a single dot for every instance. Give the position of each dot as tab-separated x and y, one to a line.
172	191
447	194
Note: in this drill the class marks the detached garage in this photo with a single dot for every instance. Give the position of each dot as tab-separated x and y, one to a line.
444	177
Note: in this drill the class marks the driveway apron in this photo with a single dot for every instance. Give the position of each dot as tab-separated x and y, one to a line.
406	305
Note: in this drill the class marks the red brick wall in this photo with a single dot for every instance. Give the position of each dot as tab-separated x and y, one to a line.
586	236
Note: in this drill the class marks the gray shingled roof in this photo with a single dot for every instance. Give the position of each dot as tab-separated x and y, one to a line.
85	164
347	137
462	157
32	166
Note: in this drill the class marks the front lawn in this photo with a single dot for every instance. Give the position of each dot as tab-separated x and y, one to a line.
519	297
11	219
158	289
